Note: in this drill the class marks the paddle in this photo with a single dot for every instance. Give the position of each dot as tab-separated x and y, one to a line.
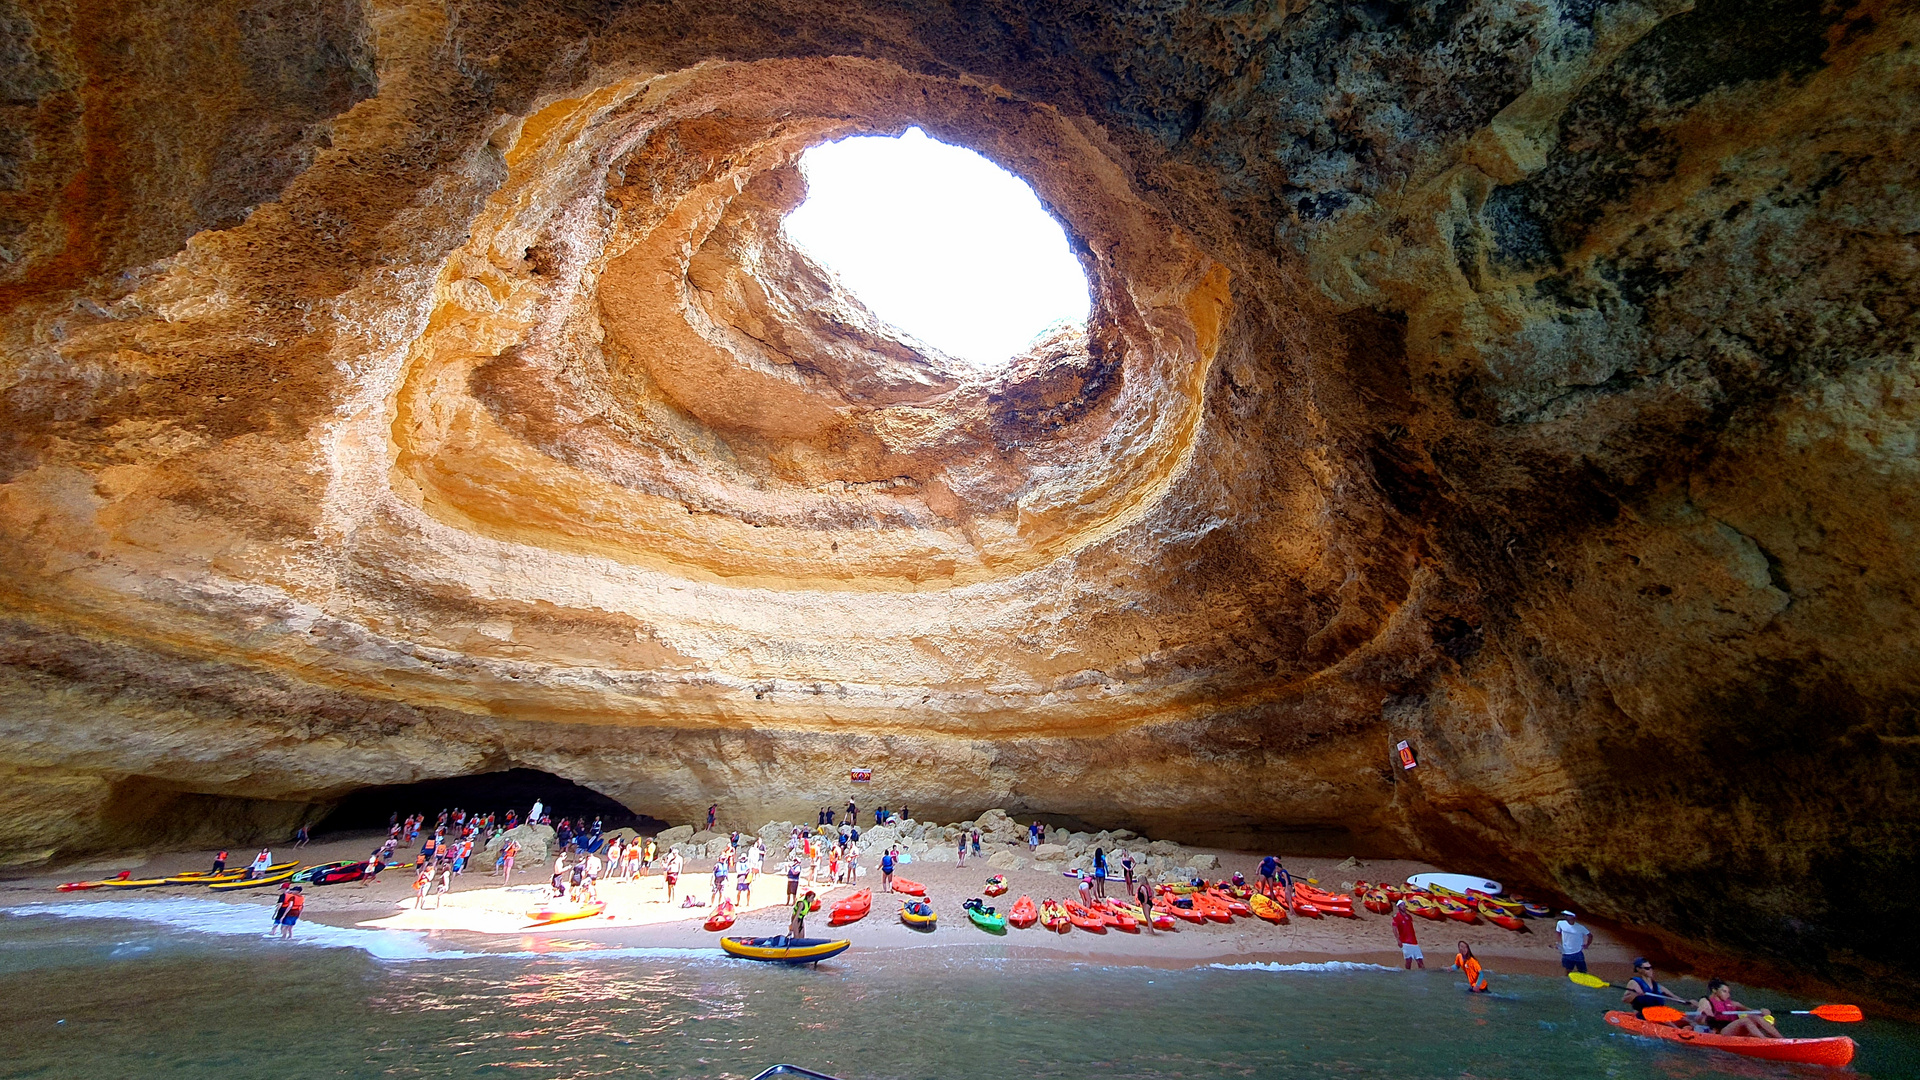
1581	978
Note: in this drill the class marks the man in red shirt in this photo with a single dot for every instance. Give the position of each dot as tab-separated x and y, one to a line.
1409	946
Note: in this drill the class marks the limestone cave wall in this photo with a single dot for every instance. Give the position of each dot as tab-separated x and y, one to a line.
400	390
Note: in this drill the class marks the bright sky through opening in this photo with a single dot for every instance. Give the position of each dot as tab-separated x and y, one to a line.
940	242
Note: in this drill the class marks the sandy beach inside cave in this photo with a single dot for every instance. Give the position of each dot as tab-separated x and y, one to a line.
481	914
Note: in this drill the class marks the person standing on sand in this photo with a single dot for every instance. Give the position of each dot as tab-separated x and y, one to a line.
1410	953
421	881
1100	873
301	836
962	853
446	885
1126	869
219	862
793	878
719	881
1033	838
646	858
886	871
853	812
976	843
1145	900
507	854
1574	940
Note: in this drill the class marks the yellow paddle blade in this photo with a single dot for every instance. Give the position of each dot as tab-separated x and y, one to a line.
1585	979
1313	881
1661	1014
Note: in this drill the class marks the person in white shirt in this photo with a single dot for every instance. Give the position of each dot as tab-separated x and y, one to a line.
1574	940
258	867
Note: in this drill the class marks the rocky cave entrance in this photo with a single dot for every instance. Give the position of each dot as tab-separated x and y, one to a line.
939	241
513	789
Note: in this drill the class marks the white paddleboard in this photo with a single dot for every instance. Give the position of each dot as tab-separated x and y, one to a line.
1459	883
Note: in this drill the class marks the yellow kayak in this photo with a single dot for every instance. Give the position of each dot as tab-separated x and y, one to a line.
784	950
226	876
549	916
133	883
196	877
269	879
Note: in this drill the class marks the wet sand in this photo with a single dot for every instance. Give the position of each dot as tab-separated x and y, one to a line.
481	914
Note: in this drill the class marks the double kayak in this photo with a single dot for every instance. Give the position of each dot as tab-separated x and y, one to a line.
783	949
1834	1050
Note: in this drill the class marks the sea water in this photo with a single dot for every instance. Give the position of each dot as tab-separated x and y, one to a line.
184	988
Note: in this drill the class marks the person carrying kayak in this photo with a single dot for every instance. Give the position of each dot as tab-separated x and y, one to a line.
1644	992
1465	962
1719	1012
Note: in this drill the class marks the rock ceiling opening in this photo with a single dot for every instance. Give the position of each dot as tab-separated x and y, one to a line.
940	242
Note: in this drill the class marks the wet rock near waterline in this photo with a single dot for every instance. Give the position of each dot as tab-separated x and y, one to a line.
389	395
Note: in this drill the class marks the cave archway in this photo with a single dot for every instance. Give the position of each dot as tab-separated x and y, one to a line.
511	789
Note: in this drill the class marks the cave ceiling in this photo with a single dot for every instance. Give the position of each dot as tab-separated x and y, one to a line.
392	391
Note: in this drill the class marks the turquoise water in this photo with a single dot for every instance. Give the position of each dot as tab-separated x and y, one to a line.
93	996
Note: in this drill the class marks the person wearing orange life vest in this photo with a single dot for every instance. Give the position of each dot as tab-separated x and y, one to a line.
1476	978
290	913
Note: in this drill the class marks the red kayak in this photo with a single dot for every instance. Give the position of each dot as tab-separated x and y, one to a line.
721	918
908	888
852	909
1024	914
74	886
1834	1050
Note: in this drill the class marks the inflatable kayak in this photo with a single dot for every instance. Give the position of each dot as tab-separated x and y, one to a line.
721	919
918	914
997	885
983	917
784	950
243	883
852	909
1834	1050
908	888
1024	913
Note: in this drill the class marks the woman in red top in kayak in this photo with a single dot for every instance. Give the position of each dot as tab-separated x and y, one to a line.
1720	1012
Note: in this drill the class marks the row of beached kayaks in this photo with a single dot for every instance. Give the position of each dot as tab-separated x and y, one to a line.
229	880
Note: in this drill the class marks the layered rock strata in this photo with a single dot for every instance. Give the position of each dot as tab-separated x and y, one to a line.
401	391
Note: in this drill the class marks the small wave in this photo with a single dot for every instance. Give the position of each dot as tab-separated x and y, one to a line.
1324	965
232	920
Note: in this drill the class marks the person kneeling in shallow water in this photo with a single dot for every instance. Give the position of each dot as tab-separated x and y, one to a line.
1719	1012
1476	977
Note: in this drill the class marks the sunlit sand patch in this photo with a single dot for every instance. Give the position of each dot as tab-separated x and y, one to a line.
630	902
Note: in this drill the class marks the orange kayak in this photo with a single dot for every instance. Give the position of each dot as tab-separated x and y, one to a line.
852	909
1834	1050
1121	916
908	888
1024	914
1234	905
1165	905
1082	919
1454	909
1301	907
1054	917
1212	907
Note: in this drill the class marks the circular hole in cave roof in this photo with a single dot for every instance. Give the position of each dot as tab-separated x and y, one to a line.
513	789
939	242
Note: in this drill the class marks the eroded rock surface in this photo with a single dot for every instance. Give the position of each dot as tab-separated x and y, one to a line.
402	391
